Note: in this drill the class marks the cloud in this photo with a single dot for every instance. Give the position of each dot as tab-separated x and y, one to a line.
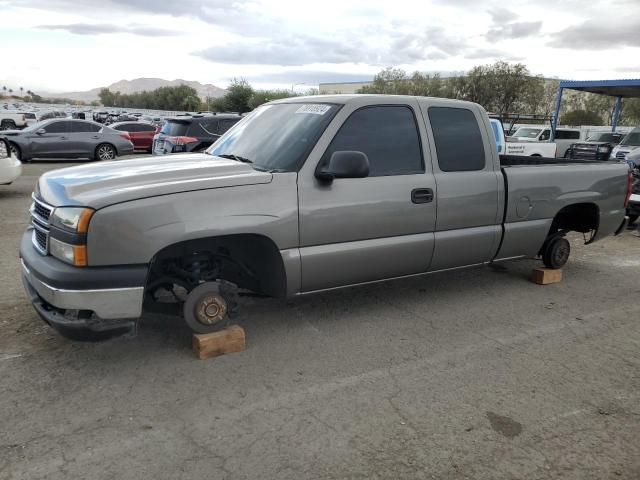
106	28
514	30
310	77
502	15
285	51
599	35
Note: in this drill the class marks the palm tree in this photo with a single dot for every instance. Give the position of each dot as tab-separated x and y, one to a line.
4	89
11	91
21	92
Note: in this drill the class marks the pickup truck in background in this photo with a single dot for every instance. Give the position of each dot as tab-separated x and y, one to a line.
302	195
12	120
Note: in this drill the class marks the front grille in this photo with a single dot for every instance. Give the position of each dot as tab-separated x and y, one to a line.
621	155
40	213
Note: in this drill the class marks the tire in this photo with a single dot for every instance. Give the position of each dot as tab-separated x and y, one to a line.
556	253
105	151
632	219
7	125
15	150
206	308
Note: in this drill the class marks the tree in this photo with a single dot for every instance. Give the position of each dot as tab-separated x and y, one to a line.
238	96
263	96
191	103
581	117
21	91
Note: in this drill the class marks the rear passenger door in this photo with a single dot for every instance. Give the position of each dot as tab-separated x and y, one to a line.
468	226
83	138
356	230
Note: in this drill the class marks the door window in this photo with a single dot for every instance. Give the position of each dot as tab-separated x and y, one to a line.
387	134
57	127
145	128
83	127
458	139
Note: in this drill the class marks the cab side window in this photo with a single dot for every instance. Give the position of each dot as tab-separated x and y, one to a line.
387	134
458	139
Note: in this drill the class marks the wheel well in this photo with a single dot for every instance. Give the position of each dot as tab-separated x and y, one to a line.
578	217
250	261
536	155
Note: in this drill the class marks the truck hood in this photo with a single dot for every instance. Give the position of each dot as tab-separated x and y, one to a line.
101	184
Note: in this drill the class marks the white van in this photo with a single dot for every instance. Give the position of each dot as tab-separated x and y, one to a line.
564	137
511	146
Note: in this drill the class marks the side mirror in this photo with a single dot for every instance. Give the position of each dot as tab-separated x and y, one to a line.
344	164
41	131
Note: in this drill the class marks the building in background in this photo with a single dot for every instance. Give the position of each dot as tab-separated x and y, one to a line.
342	87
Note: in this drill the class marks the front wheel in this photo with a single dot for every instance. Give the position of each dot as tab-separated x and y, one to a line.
207	307
15	151
105	152
556	253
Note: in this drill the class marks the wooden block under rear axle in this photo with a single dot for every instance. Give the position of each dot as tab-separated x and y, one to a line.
209	345
545	276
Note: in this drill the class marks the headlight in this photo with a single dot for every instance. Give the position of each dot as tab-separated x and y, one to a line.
603	149
4	149
69	244
72	219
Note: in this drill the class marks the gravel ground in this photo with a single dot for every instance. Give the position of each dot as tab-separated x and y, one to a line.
474	374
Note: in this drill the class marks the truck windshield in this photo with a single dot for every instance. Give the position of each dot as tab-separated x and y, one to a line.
632	138
528	133
276	137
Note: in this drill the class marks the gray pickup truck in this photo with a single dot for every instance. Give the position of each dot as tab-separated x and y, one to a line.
302	195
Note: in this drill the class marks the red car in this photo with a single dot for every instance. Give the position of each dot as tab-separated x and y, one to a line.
141	133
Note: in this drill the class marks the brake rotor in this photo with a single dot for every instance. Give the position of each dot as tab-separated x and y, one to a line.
206	308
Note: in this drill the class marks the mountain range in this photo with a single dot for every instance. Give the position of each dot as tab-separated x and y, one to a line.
139	85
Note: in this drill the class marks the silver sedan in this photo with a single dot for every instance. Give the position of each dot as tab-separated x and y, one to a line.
67	138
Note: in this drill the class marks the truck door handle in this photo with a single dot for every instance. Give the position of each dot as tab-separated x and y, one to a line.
422	195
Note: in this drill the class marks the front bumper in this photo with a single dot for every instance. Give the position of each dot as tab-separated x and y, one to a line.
91	303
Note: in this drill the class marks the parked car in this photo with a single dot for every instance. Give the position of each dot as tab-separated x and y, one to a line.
68	139
192	133
598	146
100	117
306	194
564	137
628	144
10	166
141	133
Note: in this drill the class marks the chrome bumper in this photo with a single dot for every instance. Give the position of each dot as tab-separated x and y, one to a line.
111	303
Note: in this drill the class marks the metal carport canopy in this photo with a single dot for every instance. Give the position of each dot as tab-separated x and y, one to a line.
629	88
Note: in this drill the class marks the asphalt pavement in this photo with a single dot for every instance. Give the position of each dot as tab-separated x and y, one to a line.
472	374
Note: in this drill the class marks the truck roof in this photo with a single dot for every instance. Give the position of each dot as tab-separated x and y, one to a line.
365	99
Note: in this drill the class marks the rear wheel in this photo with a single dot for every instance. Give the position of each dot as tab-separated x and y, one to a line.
556	253
105	151
7	125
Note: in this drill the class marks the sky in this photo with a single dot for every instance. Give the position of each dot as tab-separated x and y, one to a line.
66	45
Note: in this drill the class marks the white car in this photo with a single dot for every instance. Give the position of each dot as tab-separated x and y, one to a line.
10	166
628	144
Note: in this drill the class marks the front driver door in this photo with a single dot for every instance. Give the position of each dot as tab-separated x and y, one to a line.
54	142
356	230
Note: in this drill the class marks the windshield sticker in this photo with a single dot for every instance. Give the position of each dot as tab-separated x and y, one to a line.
315	109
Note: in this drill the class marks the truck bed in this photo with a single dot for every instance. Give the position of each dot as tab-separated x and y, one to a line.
515	160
